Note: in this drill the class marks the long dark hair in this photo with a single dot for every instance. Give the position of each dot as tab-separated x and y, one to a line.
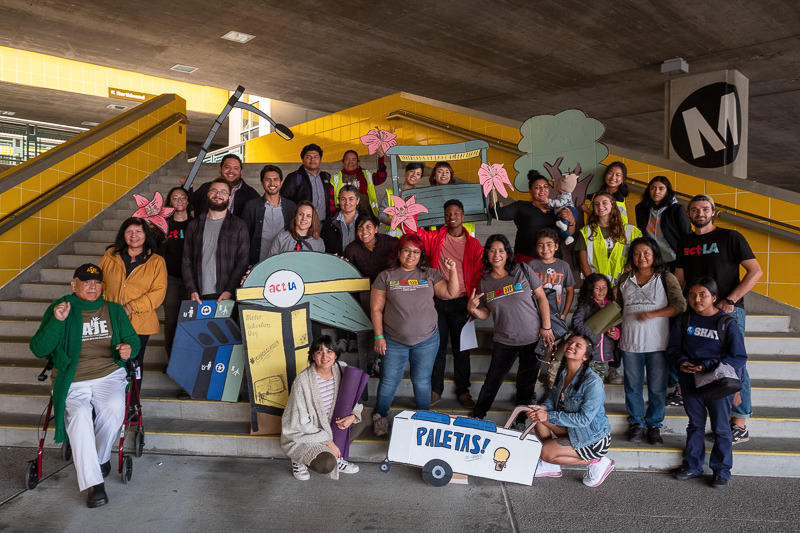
648	201
584	367
622	190
586	295
120	246
658	261
319	342
168	202
511	266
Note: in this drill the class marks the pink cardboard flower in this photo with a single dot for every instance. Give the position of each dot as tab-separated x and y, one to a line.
494	177
153	210
405	212
378	139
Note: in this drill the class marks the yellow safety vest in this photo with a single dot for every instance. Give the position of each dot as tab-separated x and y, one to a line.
338	183
611	266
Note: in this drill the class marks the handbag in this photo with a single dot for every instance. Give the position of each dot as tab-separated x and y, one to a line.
718	383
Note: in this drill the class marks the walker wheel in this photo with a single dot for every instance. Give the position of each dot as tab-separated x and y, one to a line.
66	451
127	468
32	475
385	466
138	443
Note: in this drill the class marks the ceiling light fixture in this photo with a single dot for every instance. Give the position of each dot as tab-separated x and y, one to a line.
90	124
117	107
8	113
238	37
674	66
183	68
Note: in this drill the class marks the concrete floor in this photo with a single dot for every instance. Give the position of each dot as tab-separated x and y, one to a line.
189	493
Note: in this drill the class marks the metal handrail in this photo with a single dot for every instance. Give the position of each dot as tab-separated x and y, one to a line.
729	213
46	198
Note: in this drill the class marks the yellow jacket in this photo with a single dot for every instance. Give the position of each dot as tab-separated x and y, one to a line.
143	291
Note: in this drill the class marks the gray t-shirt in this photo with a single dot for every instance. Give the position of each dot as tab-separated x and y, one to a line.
318	195
557	276
510	300
654	231
208	283
272	225
409	315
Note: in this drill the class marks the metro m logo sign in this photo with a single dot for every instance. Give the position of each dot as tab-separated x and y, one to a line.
692	131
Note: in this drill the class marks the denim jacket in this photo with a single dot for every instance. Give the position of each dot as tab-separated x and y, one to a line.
584	415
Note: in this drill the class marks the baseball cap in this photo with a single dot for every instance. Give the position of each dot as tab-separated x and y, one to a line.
704	198
88	271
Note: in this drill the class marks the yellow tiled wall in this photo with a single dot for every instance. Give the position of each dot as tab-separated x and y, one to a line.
50	72
340	131
28	241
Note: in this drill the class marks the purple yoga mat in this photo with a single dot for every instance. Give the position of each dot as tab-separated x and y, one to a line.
352	385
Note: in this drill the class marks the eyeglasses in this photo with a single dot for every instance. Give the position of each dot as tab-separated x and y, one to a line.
411	251
218	192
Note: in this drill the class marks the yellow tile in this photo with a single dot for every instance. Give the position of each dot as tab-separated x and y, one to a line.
29	254
29	229
9	255
714	189
758	240
776	244
753	203
49	230
783	267
782	210
786	293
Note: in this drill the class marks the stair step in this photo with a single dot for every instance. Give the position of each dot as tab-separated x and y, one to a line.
90	248
762	457
106	236
73	261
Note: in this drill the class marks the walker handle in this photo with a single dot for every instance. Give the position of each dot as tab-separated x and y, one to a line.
47	367
517	410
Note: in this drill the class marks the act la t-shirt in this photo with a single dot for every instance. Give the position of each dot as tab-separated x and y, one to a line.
715	254
510	301
409	315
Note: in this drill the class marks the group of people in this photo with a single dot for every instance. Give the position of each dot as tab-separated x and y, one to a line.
425	286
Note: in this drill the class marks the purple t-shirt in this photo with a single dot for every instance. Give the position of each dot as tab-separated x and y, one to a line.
409	315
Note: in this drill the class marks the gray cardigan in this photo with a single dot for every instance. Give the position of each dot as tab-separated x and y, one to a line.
305	429
284	242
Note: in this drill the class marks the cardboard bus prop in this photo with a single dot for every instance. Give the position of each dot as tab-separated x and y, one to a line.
433	198
444	445
207	359
277	302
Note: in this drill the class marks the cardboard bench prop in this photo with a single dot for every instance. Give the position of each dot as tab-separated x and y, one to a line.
277	302
433	198
444	445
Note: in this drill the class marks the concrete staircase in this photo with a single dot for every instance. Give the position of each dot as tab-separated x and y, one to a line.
218	428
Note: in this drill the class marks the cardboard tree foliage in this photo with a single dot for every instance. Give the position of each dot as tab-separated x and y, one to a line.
569	138
277	303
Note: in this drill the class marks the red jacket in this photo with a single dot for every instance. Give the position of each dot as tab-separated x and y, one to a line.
473	254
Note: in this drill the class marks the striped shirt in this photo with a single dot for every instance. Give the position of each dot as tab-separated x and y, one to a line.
326	393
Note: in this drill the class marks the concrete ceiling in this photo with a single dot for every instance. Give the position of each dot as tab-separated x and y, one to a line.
514	58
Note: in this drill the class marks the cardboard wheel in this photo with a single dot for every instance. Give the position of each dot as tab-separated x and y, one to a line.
437	473
385	466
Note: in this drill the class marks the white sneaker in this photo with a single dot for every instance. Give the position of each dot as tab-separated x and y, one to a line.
346	467
596	473
300	471
562	225
569	240
545	469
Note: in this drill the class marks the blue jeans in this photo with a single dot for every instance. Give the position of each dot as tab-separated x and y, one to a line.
634	365
744	409
393	364
721	459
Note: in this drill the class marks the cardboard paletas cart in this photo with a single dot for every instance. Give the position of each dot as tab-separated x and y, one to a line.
444	445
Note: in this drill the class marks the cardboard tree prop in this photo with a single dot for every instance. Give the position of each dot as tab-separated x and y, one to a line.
444	445
433	198
207	359
278	301
569	138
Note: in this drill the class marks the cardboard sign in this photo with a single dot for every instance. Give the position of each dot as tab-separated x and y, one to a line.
276	342
207	358
464	445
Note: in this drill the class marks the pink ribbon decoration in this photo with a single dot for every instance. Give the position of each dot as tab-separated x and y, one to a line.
378	139
494	177
405	212
153	210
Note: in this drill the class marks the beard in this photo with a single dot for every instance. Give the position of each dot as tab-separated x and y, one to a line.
702	224
218	205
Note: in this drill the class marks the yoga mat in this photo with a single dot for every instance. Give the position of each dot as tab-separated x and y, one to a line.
600	322
354	380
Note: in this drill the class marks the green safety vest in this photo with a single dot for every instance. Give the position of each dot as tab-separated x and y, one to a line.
611	266
338	183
